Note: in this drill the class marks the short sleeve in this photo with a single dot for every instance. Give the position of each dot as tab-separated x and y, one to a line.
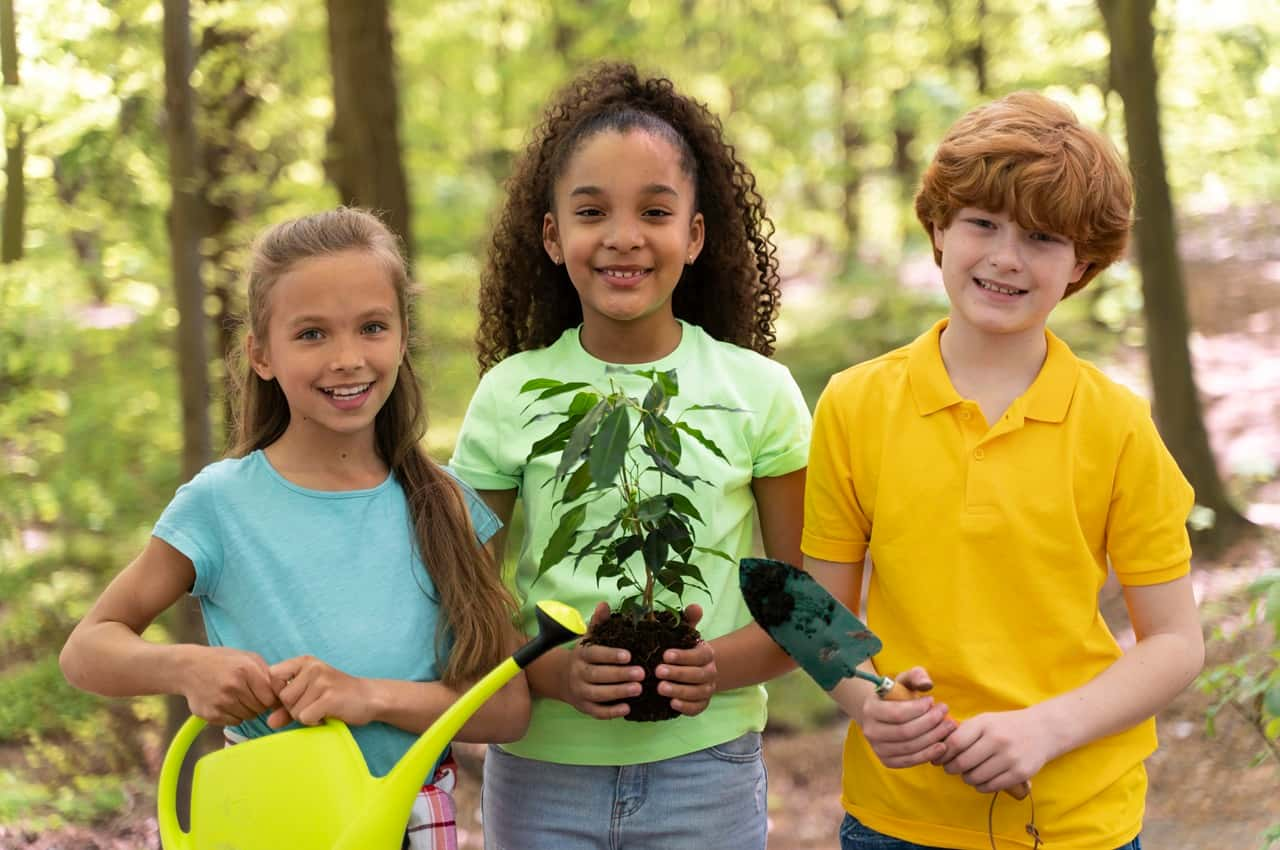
783	445
1147	537
483	520
478	458
836	527
190	525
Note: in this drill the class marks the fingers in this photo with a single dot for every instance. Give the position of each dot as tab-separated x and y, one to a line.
600	614
917	679
599	675
693	614
905	734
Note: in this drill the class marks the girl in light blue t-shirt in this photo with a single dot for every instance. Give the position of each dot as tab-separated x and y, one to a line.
341	573
633	236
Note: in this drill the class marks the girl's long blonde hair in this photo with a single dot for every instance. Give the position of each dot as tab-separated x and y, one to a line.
477	610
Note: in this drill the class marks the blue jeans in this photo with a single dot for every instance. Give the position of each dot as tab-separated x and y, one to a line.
855	836
712	799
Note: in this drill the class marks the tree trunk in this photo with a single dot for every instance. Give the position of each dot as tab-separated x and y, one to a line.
1177	401
15	196
185	232
850	131
364	159
226	102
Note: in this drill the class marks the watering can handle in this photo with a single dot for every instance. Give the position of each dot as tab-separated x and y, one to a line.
171	835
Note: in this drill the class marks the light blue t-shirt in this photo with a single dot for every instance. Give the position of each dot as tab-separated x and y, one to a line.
283	571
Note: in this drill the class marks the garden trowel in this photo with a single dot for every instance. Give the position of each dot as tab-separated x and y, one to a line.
814	628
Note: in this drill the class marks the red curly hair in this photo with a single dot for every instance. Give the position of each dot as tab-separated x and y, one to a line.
1029	156
731	291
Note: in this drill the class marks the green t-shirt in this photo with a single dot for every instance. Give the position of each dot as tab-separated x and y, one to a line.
770	439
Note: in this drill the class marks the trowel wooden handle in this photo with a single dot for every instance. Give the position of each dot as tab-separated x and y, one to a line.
898	692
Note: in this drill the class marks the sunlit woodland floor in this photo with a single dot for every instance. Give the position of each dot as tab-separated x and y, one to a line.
1204	793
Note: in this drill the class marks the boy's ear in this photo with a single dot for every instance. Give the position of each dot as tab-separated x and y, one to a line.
551	239
937	237
697	236
257	356
1078	271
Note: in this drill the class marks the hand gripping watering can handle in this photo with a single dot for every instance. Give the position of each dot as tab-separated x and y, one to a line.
171	835
889	688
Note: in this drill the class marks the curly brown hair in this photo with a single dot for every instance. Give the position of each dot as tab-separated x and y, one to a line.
731	291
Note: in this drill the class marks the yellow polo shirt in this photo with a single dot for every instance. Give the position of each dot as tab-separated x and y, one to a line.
989	545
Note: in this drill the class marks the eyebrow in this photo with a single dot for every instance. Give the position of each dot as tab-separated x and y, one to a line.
375	313
651	189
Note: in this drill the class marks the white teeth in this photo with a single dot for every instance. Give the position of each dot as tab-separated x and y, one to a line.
623	274
995	287
346	392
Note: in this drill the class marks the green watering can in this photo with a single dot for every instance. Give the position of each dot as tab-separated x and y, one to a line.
309	788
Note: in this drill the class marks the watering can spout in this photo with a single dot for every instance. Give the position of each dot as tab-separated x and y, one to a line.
557	623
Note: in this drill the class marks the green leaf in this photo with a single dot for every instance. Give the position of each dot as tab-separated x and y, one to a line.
561	389
716	407
609	448
1273	609
625	547
667	468
655	551
654	508
582	402
670	383
681	504
715	552
702	438
556	440
561	539
661	435
539	384
601	534
578	483
576	445
677	535
693	574
1272	700
655	401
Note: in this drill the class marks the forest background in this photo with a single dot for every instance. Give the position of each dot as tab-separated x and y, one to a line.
146	142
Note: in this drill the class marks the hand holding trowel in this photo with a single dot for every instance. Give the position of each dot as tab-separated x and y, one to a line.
822	635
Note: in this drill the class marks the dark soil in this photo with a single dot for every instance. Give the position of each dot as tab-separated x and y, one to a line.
646	639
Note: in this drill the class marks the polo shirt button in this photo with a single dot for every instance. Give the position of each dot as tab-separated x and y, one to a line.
966	415
979	454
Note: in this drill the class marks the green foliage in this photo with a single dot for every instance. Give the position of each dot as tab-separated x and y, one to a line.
1249	682
603	451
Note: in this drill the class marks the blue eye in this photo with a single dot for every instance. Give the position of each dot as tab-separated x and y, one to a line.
374	327
310	335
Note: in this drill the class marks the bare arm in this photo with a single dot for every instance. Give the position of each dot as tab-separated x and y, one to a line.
997	750
748	656
902	734
106	654
311	690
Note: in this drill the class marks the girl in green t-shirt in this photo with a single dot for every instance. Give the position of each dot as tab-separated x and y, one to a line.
632	235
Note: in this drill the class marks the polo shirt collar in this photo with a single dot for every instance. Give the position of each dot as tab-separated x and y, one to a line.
1047	399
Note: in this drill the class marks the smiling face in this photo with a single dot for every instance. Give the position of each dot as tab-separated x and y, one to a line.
1001	279
624	224
334	343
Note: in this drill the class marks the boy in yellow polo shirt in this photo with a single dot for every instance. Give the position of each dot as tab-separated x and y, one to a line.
992	476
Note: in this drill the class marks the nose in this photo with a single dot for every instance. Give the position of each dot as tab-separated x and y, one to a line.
348	355
1006	252
623	233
